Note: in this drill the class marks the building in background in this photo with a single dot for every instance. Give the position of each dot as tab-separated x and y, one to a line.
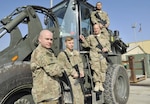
139	51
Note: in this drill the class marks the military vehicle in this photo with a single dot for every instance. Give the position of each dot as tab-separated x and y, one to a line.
68	18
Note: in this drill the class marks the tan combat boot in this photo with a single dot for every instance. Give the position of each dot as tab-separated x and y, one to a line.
101	88
97	86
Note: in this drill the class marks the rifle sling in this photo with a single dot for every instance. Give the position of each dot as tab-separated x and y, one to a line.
104	54
71	64
67	56
98	42
103	22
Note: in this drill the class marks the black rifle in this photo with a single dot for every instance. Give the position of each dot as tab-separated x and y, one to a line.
77	70
81	80
103	22
105	54
64	78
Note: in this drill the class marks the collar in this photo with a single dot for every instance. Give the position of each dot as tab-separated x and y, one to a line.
45	49
69	52
100	11
97	35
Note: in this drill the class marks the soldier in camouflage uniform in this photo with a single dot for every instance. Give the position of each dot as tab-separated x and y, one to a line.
98	62
74	59
45	71
104	16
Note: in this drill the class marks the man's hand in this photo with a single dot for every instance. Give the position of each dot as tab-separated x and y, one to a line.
105	50
106	25
81	74
74	74
100	25
82	37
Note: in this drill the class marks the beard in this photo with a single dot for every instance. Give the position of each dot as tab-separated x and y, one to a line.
98	9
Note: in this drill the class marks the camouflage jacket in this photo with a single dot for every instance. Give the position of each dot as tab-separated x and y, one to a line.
45	70
74	58
91	42
102	14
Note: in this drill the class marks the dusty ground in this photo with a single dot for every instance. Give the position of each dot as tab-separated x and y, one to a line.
140	92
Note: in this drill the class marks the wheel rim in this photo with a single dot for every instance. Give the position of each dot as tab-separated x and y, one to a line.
19	95
120	88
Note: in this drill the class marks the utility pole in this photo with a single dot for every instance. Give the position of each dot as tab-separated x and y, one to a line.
134	31
51	3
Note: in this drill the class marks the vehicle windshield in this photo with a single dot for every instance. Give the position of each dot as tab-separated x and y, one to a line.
67	20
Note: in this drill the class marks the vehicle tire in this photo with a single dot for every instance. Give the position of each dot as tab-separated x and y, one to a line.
16	83
116	85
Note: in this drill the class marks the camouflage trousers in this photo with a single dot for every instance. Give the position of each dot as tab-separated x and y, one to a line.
99	68
77	91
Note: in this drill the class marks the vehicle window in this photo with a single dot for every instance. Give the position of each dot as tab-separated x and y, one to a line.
67	19
4	41
85	21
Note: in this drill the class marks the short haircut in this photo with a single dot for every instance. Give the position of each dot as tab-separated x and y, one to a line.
98	2
68	38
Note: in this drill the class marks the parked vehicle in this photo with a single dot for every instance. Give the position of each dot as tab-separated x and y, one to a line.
68	18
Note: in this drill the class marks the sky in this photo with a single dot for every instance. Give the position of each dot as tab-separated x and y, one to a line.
123	14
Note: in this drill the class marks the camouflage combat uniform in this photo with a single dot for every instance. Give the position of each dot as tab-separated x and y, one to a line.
104	17
75	59
45	72
98	62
